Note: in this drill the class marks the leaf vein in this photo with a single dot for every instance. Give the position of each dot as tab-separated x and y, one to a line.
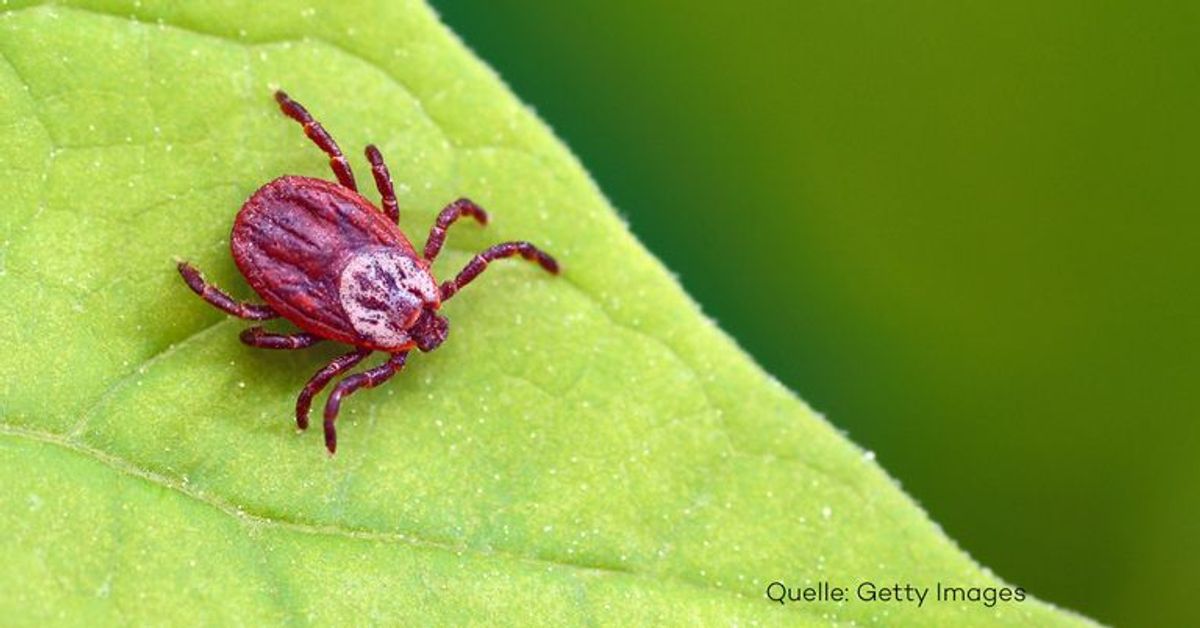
251	520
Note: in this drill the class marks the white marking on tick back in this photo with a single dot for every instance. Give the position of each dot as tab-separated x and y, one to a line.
382	292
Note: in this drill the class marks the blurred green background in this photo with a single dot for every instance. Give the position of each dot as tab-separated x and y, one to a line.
966	233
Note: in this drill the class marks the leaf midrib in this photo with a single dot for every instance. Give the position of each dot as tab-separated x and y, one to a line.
252	519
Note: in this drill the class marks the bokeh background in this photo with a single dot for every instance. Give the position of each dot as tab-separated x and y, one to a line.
967	232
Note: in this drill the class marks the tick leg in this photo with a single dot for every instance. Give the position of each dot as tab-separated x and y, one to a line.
383	183
339	365
222	301
259	337
481	260
320	137
367	379
452	212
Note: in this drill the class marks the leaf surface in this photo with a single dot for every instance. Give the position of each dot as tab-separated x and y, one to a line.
586	448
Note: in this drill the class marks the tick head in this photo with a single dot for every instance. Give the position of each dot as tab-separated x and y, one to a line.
430	331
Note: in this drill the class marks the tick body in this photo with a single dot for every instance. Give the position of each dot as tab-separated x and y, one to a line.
323	257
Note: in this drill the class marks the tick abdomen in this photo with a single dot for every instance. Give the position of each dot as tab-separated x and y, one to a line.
293	238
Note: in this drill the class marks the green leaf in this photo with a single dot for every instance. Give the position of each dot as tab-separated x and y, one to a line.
586	448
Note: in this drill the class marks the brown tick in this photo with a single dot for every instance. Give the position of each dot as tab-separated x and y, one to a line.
340	269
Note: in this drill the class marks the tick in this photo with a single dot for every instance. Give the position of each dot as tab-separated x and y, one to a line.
340	269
